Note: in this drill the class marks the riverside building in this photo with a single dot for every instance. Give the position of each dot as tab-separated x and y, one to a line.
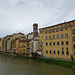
7	43
1	44
35	44
58	40
20	46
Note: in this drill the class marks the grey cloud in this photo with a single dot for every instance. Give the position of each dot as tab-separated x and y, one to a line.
19	15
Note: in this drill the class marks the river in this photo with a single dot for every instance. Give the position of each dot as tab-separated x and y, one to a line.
21	66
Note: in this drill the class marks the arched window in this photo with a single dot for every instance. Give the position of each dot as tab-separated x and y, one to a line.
46	51
50	51
67	52
62	52
54	52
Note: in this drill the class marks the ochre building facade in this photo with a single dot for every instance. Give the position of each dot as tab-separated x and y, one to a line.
58	40
19	46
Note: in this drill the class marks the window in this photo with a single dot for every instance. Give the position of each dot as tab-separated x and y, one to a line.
45	32
43	29
67	52
73	38
46	51
34	28
49	28
46	44
67	48
54	43
62	43
50	52
58	52
57	26
53	36
61	25
40	31
74	46
73	22
57	43
46	38
23	49
62	52
73	31
74	53
62	48
57	36
46	29
61	35
50	43
49	37
66	35
53	31
61	29
53	27
40	45
66	28
49	32
66	42
54	52
65	25
69	23
57	30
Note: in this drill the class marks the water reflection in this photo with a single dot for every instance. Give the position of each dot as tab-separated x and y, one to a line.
20	66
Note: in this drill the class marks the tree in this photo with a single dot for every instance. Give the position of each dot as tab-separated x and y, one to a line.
34	54
72	57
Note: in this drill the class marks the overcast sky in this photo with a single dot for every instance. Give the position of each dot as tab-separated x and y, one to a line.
20	15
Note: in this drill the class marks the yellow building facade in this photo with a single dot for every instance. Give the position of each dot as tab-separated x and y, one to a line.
1	44
58	40
20	46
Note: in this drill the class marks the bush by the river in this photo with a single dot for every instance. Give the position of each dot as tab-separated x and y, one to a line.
68	64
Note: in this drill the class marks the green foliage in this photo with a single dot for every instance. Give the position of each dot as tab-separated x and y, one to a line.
72	57
68	64
34	53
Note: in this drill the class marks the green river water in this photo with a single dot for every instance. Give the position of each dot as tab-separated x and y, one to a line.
21	66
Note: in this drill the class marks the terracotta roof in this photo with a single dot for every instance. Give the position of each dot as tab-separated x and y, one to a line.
38	50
